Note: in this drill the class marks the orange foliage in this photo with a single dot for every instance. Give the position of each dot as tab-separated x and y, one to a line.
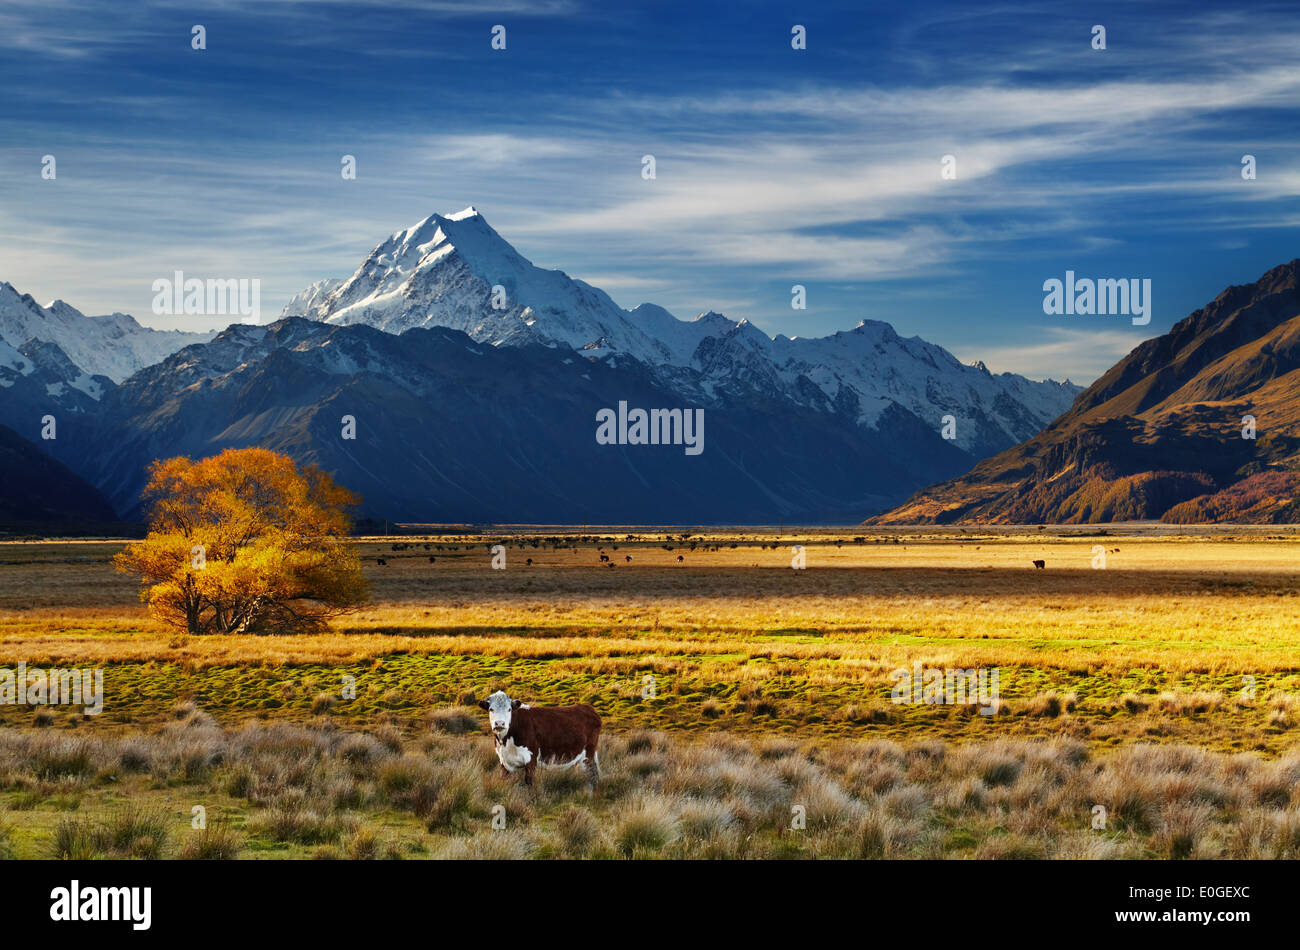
244	542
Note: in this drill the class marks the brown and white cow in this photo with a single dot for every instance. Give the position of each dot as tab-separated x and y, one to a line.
557	737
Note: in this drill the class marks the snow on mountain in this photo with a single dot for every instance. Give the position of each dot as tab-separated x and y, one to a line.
114	346
59	374
38	378
452	429
301	303
881	367
443	271
12	365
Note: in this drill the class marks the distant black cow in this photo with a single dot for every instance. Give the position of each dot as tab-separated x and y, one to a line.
628	558
556	737
380	560
680	559
433	558
1041	565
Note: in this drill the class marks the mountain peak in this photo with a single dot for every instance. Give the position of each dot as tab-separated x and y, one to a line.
876	327
437	219
465	233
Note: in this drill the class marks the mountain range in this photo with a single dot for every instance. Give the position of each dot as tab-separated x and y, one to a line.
443	271
473	379
1201	424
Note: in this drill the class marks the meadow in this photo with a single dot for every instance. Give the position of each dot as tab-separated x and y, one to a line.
1164	686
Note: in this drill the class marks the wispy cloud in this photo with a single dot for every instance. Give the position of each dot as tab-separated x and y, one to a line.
1060	353
822	170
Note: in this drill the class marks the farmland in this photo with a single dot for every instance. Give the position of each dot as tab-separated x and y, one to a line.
1182	648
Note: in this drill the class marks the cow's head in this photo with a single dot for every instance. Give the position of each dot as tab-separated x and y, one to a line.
499	706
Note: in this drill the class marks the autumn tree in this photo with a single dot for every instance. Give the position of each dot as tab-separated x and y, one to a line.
245	542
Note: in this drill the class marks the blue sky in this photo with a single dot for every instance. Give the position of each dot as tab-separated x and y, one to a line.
774	167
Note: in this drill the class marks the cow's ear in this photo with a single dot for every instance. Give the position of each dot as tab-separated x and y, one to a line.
515	704
482	704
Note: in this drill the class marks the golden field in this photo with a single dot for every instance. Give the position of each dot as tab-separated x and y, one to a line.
1187	643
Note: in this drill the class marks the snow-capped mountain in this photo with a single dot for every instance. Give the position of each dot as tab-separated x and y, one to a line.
37	378
302	303
451	429
474	382
114	346
445	272
456	271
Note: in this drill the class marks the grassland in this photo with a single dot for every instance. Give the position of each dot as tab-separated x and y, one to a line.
1184	649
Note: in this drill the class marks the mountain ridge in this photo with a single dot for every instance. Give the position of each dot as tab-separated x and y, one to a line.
114	345
447	428
1164	427
443	270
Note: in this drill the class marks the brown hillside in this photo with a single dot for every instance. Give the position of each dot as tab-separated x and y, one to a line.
1161	428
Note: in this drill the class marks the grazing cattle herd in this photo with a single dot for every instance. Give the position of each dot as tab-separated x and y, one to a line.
608	561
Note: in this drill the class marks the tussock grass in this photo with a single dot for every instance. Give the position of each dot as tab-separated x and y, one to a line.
217	842
320	791
1123	689
645	827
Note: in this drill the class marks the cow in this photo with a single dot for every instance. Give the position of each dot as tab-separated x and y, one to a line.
628	558
557	737
1041	565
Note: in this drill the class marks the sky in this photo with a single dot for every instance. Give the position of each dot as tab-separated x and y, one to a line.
820	167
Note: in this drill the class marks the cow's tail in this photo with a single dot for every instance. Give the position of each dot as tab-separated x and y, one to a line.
593	756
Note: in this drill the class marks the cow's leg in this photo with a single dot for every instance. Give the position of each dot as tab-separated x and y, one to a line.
529	769
593	765
505	771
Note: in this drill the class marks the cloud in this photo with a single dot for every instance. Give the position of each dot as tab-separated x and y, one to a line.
829	177
1078	354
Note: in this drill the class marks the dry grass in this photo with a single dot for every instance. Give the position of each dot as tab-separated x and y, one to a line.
1164	689
1177	603
275	792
